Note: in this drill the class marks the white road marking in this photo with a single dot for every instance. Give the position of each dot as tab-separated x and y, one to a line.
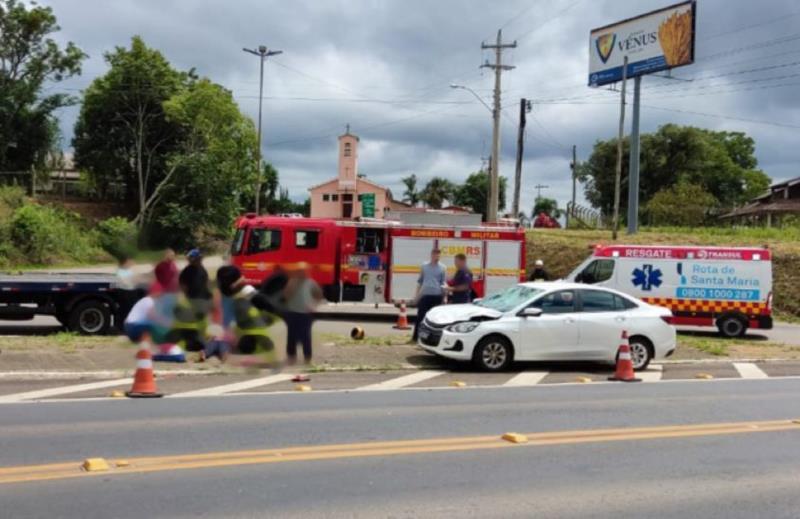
236	386
652	374
405	380
526	378
749	370
63	390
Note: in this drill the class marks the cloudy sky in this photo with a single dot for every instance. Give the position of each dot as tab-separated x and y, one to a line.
385	68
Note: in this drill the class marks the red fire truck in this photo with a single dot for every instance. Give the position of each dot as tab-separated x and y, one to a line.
375	261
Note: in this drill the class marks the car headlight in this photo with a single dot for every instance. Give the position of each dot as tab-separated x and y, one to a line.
465	327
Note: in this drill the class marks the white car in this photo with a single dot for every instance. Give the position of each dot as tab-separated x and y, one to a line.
548	321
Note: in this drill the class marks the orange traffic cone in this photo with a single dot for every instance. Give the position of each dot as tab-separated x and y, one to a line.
402	318
144	382
624	372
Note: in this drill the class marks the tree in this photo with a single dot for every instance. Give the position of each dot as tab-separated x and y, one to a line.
548	206
682	204
474	193
722	163
211	172
28	58
123	136
437	191
411	195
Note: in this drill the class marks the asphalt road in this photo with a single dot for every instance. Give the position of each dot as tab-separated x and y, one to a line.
664	474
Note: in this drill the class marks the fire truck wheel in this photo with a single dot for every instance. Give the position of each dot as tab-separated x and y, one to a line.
494	353
732	325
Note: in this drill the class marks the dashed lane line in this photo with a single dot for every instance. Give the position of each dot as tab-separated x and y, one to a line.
749	370
653	373
63	390
236	386
526	378
400	382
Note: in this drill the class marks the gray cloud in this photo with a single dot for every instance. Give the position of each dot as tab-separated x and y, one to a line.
407	53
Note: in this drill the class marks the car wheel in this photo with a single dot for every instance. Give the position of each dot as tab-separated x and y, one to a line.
494	353
641	353
732	326
90	318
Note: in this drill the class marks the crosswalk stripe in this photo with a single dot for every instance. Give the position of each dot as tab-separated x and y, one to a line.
236	386
405	380
63	390
526	378
653	373
749	370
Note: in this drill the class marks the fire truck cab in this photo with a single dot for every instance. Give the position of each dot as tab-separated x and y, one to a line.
374	261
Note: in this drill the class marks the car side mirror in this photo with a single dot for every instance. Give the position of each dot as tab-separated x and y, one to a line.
531	312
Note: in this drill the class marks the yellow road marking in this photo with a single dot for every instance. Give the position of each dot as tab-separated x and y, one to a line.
29	473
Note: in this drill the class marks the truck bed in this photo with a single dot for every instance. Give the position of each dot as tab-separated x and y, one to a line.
38	281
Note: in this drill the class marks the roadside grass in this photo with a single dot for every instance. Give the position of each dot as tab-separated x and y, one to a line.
724	347
369	340
65	342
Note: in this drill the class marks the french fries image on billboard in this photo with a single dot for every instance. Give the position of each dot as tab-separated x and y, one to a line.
675	35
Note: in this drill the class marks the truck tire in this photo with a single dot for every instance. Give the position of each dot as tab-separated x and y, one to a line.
732	325
90	318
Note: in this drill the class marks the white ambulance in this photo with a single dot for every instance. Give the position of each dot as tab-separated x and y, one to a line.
730	288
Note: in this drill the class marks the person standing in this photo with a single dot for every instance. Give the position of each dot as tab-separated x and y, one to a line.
430	288
539	273
459	288
303	294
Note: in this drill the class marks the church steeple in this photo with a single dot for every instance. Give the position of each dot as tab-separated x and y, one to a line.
348	160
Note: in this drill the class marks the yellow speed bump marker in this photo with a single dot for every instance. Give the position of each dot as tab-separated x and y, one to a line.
94	464
117	394
704	376
122	463
515	437
458	383
583	380
302	388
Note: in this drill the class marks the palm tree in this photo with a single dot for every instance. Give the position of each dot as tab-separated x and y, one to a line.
437	191
411	195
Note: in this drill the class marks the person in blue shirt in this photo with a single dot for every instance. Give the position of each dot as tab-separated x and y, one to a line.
459	287
430	288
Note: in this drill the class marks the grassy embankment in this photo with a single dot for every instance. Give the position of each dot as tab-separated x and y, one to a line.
563	250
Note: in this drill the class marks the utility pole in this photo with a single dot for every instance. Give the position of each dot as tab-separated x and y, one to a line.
633	166
524	108
618	177
498	68
263	53
574	167
538	188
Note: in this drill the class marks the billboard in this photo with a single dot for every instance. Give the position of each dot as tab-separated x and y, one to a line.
655	41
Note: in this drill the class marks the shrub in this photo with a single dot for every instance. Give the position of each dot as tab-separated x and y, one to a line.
682	204
118	237
44	235
11	199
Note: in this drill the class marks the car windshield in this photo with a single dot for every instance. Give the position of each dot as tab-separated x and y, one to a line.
509	299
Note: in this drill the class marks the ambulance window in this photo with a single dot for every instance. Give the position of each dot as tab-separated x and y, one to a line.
306	239
596	272
263	240
598	301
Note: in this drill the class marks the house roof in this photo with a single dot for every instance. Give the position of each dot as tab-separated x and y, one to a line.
779	206
786	183
360	179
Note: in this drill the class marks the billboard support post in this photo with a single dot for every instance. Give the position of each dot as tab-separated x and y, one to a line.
620	135
633	166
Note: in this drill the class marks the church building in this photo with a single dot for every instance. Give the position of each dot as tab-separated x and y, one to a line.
349	195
